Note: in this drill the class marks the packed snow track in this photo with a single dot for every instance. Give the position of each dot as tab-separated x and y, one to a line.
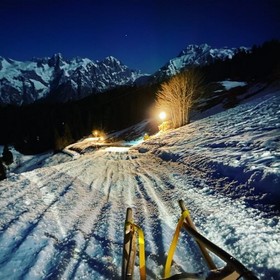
66	221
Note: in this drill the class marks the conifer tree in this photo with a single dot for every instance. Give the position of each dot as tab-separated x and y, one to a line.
7	156
2	170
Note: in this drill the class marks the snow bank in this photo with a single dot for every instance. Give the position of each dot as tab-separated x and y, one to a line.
232	84
241	144
23	163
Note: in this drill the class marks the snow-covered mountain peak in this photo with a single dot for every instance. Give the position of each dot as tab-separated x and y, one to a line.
6	61
194	55
56	60
193	48
112	61
198	54
26	82
80	60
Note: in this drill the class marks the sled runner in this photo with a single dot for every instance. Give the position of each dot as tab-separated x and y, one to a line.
129	248
231	271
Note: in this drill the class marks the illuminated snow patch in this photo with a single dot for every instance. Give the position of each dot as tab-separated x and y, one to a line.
117	149
135	142
232	84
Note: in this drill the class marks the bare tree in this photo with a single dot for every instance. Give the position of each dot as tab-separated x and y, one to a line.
177	95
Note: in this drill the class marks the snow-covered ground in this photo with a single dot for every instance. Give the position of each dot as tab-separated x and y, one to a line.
232	84
65	221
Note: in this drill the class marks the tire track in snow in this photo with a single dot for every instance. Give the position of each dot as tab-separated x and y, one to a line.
10	190
152	226
160	189
98	238
93	262
22	203
151	193
96	251
15	194
79	223
39	216
27	230
126	172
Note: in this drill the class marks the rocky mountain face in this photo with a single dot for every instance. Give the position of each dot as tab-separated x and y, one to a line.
194	55
61	80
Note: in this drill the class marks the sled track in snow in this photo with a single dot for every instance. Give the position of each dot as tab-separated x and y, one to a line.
66	222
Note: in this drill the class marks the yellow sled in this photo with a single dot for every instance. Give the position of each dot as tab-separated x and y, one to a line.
231	271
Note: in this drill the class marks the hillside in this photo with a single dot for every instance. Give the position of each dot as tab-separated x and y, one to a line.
66	220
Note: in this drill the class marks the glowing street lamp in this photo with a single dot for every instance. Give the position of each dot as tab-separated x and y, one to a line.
164	124
162	116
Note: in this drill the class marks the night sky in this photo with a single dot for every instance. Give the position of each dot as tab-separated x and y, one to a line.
143	34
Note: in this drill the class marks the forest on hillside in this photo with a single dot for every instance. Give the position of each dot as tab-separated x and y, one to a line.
45	125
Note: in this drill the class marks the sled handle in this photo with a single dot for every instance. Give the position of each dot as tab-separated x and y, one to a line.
233	265
129	247
211	265
131	231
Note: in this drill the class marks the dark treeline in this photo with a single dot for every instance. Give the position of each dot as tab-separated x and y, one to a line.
42	126
38	127
259	63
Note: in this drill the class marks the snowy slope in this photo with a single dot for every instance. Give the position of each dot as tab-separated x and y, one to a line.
66	221
241	144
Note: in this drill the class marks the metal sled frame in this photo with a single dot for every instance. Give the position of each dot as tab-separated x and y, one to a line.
131	231
129	247
231	271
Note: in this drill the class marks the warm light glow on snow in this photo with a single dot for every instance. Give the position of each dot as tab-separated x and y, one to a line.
91	139
117	149
98	135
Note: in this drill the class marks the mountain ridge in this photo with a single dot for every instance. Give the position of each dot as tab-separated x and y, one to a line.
61	80
26	82
195	55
